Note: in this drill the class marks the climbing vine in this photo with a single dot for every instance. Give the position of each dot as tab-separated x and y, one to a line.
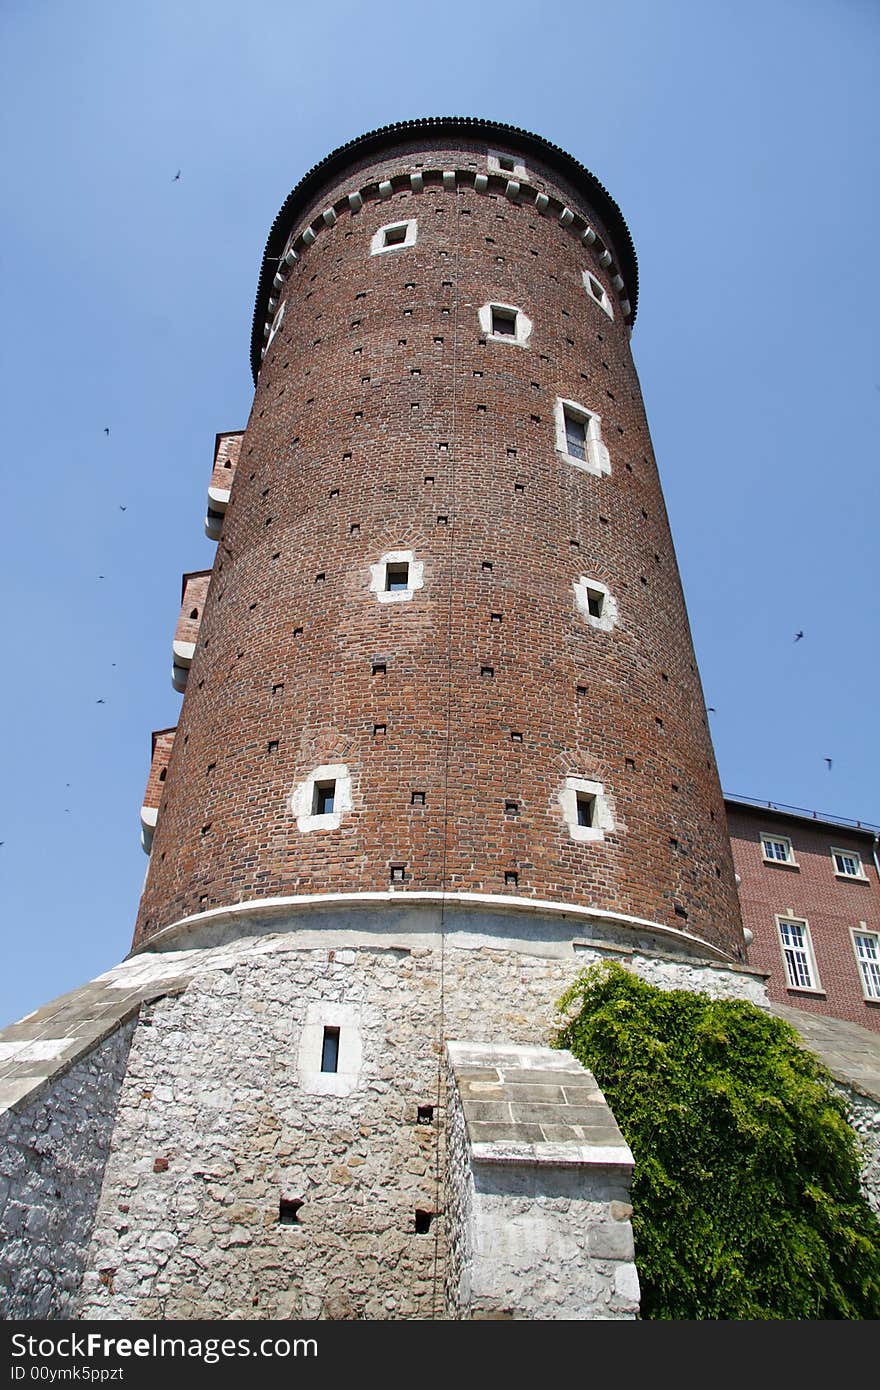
746	1197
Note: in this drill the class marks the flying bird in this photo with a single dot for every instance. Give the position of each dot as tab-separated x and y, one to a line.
100	576
710	709
798	636
106	429
828	761
176	177
100	702
121	508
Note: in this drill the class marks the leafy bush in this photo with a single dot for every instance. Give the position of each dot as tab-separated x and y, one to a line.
746	1190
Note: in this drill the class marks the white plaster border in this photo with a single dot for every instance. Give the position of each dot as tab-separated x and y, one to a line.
341	1082
568	800
415	578
377	245
522	324
598	460
603	299
493	164
301	799
583	587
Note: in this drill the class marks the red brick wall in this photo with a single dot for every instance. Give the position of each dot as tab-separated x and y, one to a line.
226	455
379	380
832	906
163	740
195	591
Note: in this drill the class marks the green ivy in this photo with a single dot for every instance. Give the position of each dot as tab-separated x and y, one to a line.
746	1198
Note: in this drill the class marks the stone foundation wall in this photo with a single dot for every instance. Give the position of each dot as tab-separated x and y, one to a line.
224	1113
53	1150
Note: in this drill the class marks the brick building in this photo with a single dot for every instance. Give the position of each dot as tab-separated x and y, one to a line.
442	744
810	897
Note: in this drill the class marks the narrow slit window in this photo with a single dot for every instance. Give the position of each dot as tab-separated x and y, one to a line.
330	1050
325	798
595	602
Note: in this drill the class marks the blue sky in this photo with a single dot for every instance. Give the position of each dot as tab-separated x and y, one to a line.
739	140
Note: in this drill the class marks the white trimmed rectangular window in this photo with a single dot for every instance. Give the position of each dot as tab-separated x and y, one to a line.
797	953
393	236
777	849
867	949
596	290
847	863
579	437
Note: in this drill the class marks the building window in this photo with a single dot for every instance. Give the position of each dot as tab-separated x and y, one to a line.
598	292
847	863
597	605
330	1050
276	324
777	849
394	236
867	948
510	165
579	437
797	953
322	799
585	809
396	576
505	323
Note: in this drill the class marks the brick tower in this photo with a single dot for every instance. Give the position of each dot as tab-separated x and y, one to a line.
444	649
442	744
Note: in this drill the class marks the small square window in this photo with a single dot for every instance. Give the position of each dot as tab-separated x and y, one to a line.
598	292
507	163
595	602
330	1050
504	321
586	809
395	236
777	849
398	873
397	576
847	863
324	799
417	799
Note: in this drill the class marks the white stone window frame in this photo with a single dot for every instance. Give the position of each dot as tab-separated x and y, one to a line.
859	875
789	859
347	1018
378	246
568	801
598	460
276	324
301	801
522	325
415	578
805	950
493	164
603	298
583	587
870	976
